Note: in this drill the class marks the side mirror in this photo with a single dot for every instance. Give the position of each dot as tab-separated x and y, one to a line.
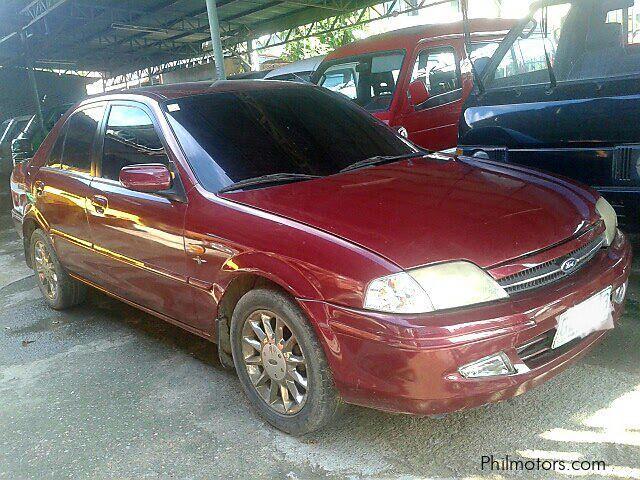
150	177
417	92
21	150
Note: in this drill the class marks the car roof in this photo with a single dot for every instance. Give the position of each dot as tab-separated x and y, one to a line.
407	38
306	65
180	90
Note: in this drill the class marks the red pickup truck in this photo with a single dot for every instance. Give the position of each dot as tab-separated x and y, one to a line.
415	79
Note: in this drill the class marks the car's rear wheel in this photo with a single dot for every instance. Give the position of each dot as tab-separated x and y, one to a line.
59	290
281	364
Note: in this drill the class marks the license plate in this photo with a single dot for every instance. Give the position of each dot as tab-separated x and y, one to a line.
585	318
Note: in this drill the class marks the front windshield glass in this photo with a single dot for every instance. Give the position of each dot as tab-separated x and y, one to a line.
369	80
582	41
233	136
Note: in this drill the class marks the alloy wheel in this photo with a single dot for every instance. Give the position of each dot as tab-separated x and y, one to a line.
275	362
45	269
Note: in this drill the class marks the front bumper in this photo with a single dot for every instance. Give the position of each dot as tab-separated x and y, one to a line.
409	364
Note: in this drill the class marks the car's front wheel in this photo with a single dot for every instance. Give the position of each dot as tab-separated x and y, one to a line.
281	364
58	288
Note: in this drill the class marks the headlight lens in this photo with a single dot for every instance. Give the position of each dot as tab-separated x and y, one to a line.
609	217
438	287
398	293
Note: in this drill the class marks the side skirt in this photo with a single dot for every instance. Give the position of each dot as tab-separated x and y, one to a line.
184	326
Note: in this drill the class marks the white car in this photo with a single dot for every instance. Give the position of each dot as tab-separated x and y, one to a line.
299	71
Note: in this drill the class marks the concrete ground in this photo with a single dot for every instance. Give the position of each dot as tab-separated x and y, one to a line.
106	391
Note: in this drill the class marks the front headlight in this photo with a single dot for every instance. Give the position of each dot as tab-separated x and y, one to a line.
438	287
609	217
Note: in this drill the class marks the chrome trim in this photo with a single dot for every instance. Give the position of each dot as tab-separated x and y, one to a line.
517	281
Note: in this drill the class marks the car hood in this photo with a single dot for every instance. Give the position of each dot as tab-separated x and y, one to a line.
435	209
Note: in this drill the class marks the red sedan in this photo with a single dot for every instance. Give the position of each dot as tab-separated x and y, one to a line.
331	260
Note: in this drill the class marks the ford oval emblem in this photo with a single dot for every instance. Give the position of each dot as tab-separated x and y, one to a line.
569	264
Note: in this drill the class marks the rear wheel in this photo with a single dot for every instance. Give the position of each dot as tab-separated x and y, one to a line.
281	364
58	289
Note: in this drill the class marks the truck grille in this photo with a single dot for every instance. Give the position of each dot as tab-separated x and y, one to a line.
626	161
551	271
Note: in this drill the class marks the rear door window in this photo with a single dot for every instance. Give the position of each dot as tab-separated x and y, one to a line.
81	131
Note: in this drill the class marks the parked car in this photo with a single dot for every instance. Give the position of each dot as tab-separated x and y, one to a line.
299	71
470	283
415	79
32	135
575	114
9	130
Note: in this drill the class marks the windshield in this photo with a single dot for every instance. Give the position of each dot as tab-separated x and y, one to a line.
232	136
369	80
582	40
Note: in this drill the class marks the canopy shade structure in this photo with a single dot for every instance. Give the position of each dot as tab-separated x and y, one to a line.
119	36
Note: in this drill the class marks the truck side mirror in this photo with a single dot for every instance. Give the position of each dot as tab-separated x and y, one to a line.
417	93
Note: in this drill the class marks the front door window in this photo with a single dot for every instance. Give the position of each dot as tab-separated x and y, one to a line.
438	69
130	139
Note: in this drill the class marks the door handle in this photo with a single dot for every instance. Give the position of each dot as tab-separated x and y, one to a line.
39	187
99	203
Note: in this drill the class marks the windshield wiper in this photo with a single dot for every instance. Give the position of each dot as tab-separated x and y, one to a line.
380	159
274	178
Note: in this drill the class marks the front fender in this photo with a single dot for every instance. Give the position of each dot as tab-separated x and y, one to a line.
297	280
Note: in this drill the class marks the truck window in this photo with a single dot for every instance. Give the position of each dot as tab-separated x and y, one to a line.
579	40
369	80
438	69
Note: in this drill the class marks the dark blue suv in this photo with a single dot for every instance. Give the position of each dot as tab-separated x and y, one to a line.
562	93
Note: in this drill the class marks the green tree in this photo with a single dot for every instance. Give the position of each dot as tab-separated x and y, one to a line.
336	31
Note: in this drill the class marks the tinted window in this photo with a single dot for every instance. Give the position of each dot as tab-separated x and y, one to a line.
438	70
81	133
55	156
130	139
369	80
233	136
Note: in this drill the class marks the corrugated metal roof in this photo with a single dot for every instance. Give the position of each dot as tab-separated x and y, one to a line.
118	36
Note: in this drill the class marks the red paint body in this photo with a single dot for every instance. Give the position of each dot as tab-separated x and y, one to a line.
145	178
435	127
323	241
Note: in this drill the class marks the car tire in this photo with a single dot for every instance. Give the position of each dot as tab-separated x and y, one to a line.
300	354
59	290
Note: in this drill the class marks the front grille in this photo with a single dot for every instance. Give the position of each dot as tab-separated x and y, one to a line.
534	350
550	272
537	351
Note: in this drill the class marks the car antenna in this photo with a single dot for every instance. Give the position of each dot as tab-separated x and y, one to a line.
467	45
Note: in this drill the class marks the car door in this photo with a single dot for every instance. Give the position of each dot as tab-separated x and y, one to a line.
434	123
138	235
63	184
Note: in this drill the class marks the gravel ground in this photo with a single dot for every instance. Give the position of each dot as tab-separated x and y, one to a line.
106	391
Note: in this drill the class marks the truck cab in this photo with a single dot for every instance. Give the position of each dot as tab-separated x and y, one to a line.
415	79
562	93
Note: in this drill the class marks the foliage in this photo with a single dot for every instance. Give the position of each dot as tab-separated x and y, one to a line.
337	31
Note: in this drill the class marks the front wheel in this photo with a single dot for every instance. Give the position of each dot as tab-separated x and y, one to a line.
58	289
281	364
